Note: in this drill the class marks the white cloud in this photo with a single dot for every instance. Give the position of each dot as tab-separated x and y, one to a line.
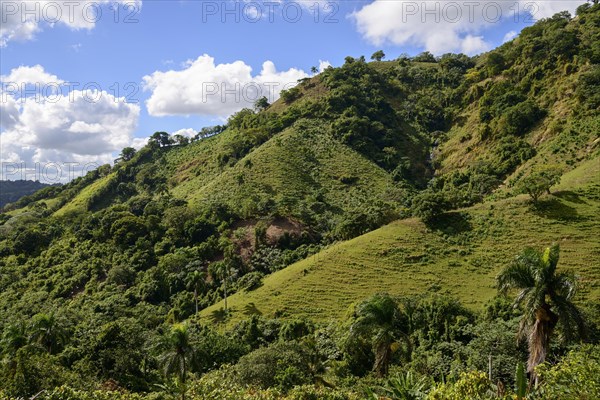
21	20
206	88
137	143
547	8
474	45
509	36
65	128
323	65
188	132
441	27
29	75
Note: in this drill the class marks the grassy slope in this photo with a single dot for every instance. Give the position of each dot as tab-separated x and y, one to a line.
79	203
296	164
405	257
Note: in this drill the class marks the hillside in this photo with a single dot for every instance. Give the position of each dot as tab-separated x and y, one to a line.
11	191
405	176
461	257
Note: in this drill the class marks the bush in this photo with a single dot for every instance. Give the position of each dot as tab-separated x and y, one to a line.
472	385
290	95
575	378
519	119
429	204
588	88
250	281
510	153
282	365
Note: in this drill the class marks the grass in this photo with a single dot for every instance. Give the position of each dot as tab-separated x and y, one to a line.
79	204
407	257
292	166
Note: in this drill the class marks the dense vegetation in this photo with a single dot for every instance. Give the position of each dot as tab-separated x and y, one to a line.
154	278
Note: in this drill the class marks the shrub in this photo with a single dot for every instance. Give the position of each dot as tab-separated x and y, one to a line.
472	385
290	95
250	281
575	378
519	119
429	204
281	365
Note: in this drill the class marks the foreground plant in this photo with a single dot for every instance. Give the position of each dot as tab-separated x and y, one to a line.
545	297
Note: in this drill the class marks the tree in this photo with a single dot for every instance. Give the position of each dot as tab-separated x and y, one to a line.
539	182
546	299
495	63
47	331
181	140
196	281
378	55
162	139
290	94
429	204
261	104
127	153
425	56
223	271
14	337
179	356
314	70
379	318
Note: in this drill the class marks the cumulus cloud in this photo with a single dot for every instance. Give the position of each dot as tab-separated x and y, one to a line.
205	88
139	142
21	20
82	126
323	65
187	132
441	27
29	75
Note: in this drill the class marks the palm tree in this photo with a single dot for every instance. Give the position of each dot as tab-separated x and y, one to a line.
223	271
545	296
196	281
47	331
14	337
379	318
179	356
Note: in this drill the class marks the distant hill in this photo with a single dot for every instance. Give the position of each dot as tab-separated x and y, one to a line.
11	191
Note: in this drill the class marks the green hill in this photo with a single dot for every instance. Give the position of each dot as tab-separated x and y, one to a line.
460	258
403	176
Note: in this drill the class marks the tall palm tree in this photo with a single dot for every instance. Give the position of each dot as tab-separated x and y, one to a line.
545	296
379	318
196	281
223	271
179	356
47	331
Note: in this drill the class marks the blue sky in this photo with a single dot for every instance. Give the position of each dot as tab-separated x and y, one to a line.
154	39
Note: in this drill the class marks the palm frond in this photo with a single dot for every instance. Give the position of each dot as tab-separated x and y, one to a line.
565	284
570	317
517	275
